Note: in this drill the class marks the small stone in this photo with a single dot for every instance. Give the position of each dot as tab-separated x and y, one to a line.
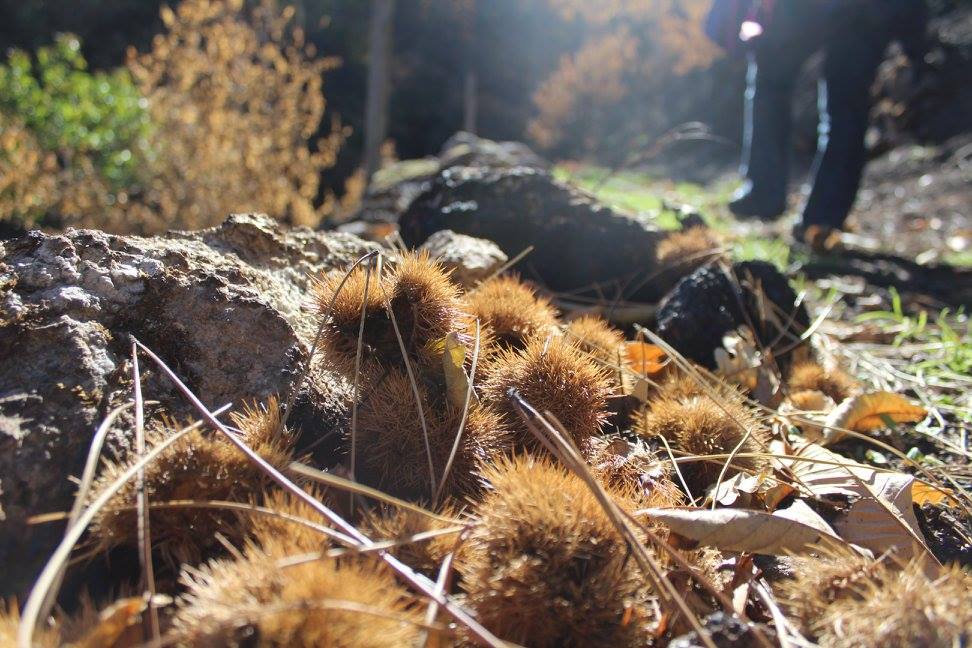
470	259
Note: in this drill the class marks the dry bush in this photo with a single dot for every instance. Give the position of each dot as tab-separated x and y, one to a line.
236	98
633	53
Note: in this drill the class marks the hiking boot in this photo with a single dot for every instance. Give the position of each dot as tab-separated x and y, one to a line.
821	239
748	204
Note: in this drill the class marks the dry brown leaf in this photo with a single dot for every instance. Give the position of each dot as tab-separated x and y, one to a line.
866	522
866	412
793	529
643	362
922	493
118	625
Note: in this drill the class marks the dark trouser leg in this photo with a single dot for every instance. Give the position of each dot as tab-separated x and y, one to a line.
773	70
853	53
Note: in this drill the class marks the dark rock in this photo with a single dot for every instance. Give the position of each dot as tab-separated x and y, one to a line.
579	244
716	299
726	632
393	188
224	307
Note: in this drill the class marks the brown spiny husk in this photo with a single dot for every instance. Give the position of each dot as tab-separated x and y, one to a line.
633	469
545	566
688	246
593	335
553	376
511	310
254	600
424	556
286	532
391	448
424	301
201	466
843	600
698	425
339	334
10	624
811	376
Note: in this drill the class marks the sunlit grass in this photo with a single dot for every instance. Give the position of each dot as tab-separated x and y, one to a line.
638	192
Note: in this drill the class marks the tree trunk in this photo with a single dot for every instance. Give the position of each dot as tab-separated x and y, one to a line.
379	68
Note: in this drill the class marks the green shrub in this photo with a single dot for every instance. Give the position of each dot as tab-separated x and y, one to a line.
72	111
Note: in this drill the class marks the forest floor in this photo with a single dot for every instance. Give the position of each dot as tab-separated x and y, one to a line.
913	204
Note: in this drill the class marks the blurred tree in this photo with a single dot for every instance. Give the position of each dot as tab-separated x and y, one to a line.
379	64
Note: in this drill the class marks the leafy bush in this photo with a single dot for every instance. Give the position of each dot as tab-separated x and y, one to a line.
218	116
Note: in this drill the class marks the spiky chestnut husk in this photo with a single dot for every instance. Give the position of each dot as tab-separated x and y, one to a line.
846	601
423	299
545	566
808	376
511	310
688	246
633	469
551	375
698	425
44	637
424	556
254	600
595	336
286	533
391	450
200	466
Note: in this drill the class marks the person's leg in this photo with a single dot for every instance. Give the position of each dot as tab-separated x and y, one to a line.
774	65
853	53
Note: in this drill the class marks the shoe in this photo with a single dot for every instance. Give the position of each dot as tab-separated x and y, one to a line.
821	239
749	204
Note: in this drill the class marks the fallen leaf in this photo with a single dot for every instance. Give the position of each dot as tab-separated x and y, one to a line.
866	412
114	625
793	529
922	493
642	362
457	382
876	525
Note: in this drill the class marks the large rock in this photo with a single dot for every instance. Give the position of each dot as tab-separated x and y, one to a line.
394	187
578	244
226	308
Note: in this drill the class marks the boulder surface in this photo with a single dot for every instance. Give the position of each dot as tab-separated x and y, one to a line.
225	307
